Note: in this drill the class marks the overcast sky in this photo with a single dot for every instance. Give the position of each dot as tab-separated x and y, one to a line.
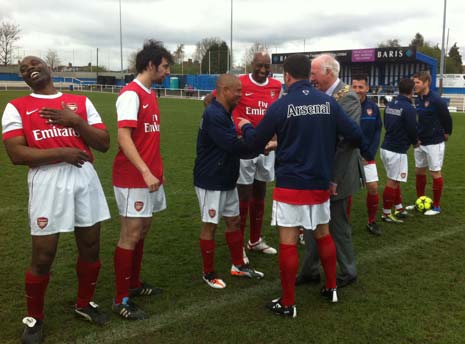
76	28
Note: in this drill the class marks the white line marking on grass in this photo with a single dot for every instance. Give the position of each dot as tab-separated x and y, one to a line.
127	330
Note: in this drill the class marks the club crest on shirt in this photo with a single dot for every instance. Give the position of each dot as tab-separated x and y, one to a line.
369	112
426	103
72	106
138	205
272	93
403	174
42	222
212	213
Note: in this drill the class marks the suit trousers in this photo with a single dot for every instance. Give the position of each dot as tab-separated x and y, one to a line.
341	231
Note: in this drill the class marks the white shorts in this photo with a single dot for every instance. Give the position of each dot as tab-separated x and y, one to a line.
139	202
63	196
371	173
260	168
215	204
395	164
307	216
431	156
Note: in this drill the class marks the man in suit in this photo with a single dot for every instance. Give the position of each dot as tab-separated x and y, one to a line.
347	179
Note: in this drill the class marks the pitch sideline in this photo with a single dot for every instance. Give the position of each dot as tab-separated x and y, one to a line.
126	330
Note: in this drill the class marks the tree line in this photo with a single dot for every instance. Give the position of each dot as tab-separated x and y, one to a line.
211	54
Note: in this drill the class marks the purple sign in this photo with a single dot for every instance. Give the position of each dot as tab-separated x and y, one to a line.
363	55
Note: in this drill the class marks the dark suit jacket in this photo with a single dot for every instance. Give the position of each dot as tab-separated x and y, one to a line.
348	169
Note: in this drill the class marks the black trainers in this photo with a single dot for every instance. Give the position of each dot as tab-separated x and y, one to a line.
373	228
404	214
93	314
145	290
391	218
277	308
129	310
32	333
330	294
245	270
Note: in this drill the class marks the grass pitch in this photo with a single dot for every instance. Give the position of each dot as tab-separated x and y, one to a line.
410	287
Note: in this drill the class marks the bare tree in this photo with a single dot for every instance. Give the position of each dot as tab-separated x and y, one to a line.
257	47
179	54
9	34
204	45
52	59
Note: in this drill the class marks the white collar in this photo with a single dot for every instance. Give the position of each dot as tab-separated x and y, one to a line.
330	90
47	96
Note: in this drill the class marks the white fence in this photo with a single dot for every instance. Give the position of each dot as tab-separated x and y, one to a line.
65	86
457	102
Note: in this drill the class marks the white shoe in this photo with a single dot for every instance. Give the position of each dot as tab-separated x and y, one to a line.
213	281
432	212
261	246
410	207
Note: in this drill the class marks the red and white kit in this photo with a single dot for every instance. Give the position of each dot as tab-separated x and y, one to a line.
137	108
255	101
77	198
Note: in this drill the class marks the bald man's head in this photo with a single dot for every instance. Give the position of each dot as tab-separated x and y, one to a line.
228	90
261	65
35	72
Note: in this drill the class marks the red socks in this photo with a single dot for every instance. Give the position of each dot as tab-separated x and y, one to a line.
35	294
420	184
327	253
372	207
389	196
123	269
137	265
437	191
235	243
207	247
243	211
87	273
398	201
288	266
257	208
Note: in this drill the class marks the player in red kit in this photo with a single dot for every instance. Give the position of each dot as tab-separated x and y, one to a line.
258	92
51	133
138	175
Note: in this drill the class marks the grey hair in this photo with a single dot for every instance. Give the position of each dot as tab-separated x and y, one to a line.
328	62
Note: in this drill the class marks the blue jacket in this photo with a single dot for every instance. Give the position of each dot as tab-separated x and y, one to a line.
400	122
307	123
218	150
371	125
434	119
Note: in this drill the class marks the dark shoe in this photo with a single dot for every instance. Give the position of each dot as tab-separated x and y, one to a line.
373	228
277	308
341	283
330	294
32	333
391	218
404	214
93	314
145	289
129	310
302	279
